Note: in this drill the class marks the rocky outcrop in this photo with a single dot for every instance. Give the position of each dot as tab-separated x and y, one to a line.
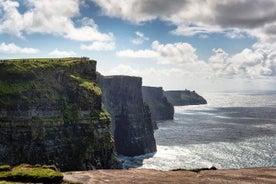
184	97
159	106
131	120
263	175
51	113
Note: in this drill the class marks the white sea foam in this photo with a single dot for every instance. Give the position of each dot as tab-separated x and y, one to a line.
233	130
250	153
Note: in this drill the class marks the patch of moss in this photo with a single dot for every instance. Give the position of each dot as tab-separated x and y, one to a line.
5	168
14	88
67	112
100	115
88	84
28	173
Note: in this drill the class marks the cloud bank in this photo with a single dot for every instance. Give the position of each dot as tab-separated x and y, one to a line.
12	48
253	17
49	17
258	62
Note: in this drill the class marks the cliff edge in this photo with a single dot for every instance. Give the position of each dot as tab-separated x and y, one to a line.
159	106
131	121
51	113
184	97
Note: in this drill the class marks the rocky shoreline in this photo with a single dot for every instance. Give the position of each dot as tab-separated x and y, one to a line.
247	175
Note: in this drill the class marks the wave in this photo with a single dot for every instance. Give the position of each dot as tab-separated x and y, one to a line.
234	130
254	152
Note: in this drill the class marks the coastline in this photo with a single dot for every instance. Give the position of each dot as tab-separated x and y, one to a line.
244	175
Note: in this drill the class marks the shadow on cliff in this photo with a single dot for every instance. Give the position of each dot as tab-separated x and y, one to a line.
136	161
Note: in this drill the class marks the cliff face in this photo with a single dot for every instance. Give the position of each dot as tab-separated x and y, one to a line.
50	113
159	106
186	97
131	121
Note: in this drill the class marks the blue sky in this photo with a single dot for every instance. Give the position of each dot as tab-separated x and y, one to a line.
204	45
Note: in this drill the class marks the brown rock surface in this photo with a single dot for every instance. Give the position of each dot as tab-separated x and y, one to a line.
240	176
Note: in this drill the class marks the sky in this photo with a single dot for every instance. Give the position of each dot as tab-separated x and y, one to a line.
205	45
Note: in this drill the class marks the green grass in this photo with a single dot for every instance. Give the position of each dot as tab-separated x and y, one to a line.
45	59
28	173
5	168
12	87
22	72
67	112
25	65
88	84
6	182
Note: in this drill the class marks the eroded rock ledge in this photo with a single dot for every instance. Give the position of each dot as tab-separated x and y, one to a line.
131	121
159	106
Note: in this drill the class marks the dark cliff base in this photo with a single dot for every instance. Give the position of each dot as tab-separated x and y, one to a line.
241	176
131	121
186	97
159	106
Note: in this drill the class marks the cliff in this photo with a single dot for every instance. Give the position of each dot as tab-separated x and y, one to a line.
159	106
51	113
131	121
186	97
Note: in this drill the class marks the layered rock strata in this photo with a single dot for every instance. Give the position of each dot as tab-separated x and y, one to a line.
51	113
131	120
159	106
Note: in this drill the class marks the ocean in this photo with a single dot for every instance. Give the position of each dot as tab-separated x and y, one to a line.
234	130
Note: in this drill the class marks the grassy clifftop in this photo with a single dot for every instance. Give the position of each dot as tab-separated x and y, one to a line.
18	76
51	113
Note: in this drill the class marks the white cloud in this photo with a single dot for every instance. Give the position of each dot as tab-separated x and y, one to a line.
137	54
59	53
11	21
180	57
50	17
219	61
99	46
191	30
141	38
259	62
230	17
177	53
86	21
165	77
178	78
123	70
86	34
14	49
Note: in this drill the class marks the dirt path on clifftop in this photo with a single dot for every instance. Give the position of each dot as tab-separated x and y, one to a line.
240	176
